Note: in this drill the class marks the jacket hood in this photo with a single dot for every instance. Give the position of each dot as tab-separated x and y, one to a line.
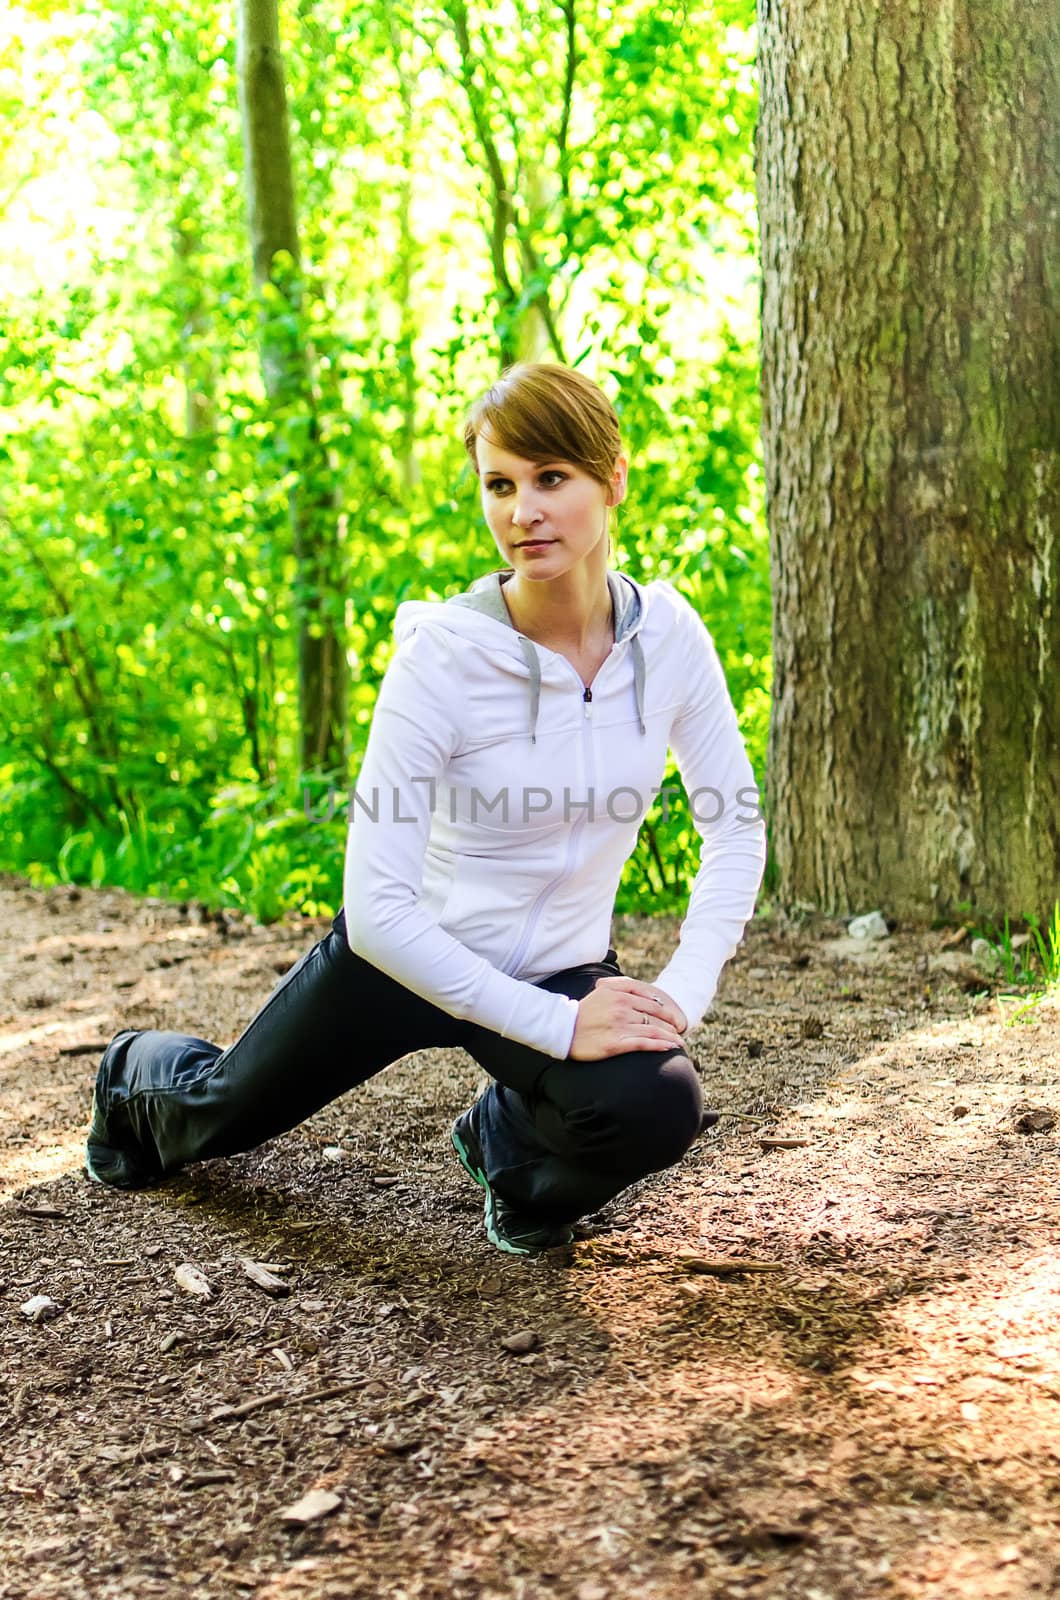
480	614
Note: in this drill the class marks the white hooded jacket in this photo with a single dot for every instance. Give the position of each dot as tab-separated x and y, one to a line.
499	799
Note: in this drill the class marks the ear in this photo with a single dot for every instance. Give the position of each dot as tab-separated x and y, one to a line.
617	491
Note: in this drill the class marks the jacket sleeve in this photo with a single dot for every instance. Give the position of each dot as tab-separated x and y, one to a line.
414	733
723	796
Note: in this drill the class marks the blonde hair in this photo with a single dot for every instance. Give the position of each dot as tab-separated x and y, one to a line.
545	412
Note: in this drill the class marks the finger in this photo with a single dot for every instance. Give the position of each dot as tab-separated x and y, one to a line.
651	1027
656	1003
646	1039
658	1015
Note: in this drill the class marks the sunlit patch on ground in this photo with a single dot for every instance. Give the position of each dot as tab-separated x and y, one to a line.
21	1167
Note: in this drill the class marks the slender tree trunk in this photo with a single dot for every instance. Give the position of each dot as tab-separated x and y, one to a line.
407	255
526	324
197	360
909	194
287	371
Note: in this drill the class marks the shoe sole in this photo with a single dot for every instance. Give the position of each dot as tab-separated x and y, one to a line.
476	1173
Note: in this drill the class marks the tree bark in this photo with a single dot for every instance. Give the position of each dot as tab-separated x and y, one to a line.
287	372
909	197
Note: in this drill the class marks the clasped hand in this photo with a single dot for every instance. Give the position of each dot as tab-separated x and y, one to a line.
623	1014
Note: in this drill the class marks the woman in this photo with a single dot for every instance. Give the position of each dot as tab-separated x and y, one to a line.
520	734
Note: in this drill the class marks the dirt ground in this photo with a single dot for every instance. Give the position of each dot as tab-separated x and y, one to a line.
877	1415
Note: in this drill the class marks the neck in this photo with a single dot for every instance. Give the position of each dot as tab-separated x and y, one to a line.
573	610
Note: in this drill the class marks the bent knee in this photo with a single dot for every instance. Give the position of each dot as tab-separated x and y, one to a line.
661	1117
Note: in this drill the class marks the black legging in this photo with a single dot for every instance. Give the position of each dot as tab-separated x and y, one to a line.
560	1138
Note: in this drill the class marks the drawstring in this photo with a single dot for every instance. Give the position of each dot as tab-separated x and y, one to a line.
533	661
637	651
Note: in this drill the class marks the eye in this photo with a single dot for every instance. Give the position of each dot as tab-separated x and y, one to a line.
561	477
497	486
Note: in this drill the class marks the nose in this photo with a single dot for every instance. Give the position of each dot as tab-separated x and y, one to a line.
525	512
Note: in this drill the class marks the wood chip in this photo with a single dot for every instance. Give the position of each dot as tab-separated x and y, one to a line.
192	1281
312	1506
262	1278
84	1047
41	1209
722	1265
397	1444
783	1144
202	1480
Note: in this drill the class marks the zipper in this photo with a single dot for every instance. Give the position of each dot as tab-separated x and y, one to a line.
532	920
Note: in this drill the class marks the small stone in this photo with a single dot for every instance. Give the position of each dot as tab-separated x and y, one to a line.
755	1048
873	925
1035	1119
332	1152
985	955
961	1111
521	1343
41	1308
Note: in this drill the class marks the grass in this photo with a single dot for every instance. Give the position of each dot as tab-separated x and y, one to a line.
1029	962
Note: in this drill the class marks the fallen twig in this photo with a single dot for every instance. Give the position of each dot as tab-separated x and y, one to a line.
265	1402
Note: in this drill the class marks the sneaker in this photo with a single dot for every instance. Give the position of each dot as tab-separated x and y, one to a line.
507	1228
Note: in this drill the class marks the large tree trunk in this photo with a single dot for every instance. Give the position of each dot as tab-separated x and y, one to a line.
909	193
287	371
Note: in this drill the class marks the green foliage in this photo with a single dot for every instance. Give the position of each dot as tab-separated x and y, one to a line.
1028	961
148	642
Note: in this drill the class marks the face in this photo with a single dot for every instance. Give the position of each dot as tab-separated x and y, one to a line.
546	516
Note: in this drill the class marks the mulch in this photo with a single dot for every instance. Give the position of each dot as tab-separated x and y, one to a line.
819	1359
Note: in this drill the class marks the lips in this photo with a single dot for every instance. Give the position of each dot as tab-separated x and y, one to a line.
534	544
